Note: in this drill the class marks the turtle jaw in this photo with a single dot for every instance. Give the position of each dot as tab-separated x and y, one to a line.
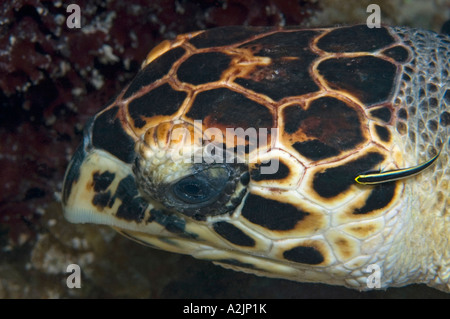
99	189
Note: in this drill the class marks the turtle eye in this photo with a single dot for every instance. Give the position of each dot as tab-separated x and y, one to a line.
192	190
202	187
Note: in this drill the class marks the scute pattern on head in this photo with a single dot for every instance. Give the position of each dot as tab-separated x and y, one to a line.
331	103
327	128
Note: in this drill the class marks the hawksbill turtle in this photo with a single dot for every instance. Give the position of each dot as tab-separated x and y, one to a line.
314	155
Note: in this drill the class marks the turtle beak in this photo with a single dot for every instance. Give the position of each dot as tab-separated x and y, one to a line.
100	189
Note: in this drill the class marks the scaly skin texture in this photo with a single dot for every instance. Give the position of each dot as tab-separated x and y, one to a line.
422	251
344	101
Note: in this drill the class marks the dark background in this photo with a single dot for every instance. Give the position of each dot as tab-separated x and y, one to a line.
52	79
